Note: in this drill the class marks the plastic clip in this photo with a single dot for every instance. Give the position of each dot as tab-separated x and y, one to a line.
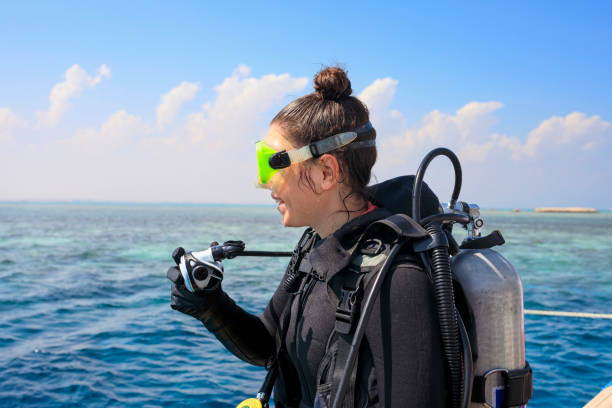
430	242
314	150
372	247
503	387
345	311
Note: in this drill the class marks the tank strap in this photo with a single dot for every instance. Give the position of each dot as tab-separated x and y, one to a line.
516	390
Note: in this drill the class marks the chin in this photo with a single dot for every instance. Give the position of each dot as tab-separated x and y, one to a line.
289	221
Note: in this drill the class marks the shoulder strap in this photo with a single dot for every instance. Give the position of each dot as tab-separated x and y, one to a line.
373	250
354	279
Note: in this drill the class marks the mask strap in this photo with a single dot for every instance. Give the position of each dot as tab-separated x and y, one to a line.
326	145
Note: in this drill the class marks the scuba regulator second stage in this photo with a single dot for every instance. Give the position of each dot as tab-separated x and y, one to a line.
202	271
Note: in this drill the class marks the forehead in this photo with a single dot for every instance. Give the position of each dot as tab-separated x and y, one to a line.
275	138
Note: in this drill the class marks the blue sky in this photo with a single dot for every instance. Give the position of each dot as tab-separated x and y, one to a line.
520	90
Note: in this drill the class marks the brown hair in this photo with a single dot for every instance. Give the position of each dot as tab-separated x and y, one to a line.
329	110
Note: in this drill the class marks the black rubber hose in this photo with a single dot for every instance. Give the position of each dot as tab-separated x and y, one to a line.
418	180
264	253
445	301
460	218
468	365
265	392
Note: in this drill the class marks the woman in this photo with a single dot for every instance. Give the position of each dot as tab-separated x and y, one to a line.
316	159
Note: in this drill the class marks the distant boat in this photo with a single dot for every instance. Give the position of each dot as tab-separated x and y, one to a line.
565	210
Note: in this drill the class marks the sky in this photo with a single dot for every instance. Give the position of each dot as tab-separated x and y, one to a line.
164	101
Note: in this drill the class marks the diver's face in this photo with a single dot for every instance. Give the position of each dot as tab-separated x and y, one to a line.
297	203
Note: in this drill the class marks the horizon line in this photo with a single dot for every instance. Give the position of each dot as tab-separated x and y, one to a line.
213	204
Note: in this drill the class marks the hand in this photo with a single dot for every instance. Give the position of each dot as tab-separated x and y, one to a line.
181	298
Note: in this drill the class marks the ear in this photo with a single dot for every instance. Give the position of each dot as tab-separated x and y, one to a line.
330	171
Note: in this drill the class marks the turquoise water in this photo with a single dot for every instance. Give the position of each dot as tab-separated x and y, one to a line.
85	316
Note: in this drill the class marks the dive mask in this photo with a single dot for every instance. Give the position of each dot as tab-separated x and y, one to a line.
270	161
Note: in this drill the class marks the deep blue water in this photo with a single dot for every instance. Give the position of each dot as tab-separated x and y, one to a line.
85	316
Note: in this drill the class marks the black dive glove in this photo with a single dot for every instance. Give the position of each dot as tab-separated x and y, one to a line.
182	299
242	333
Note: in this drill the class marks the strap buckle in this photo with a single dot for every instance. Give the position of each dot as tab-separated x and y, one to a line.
494	387
501	387
314	150
345	311
372	247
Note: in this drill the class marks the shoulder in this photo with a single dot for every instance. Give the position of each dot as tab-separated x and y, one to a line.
405	280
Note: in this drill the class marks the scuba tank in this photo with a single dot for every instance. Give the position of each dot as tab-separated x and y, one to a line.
488	296
493	294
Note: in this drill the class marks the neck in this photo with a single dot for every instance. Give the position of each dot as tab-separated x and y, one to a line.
335	215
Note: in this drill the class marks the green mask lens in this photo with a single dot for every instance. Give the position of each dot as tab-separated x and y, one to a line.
264	152
269	161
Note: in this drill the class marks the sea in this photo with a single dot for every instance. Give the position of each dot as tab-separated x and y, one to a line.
85	317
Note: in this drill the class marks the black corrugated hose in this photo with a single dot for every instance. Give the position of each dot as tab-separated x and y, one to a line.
442	280
447	315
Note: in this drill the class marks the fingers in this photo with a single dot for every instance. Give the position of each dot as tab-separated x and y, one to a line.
186	302
181	296
177	254
175	276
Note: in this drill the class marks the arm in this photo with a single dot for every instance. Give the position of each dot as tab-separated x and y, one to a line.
250	338
404	339
240	332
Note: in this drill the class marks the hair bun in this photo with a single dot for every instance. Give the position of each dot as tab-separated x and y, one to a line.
332	83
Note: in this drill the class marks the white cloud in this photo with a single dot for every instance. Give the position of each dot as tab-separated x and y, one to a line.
172	102
379	94
241	100
470	124
378	97
119	129
576	130
75	80
8	122
499	169
208	157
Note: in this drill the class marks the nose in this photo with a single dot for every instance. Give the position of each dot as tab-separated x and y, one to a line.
274	184
266	186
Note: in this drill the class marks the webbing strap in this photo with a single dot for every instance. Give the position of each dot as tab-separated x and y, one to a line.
364	252
402	225
347	313
518	386
344	347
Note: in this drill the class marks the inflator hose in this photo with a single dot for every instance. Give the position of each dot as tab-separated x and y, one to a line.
442	280
418	180
445	301
468	365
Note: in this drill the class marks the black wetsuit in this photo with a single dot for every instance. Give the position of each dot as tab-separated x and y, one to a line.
401	361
